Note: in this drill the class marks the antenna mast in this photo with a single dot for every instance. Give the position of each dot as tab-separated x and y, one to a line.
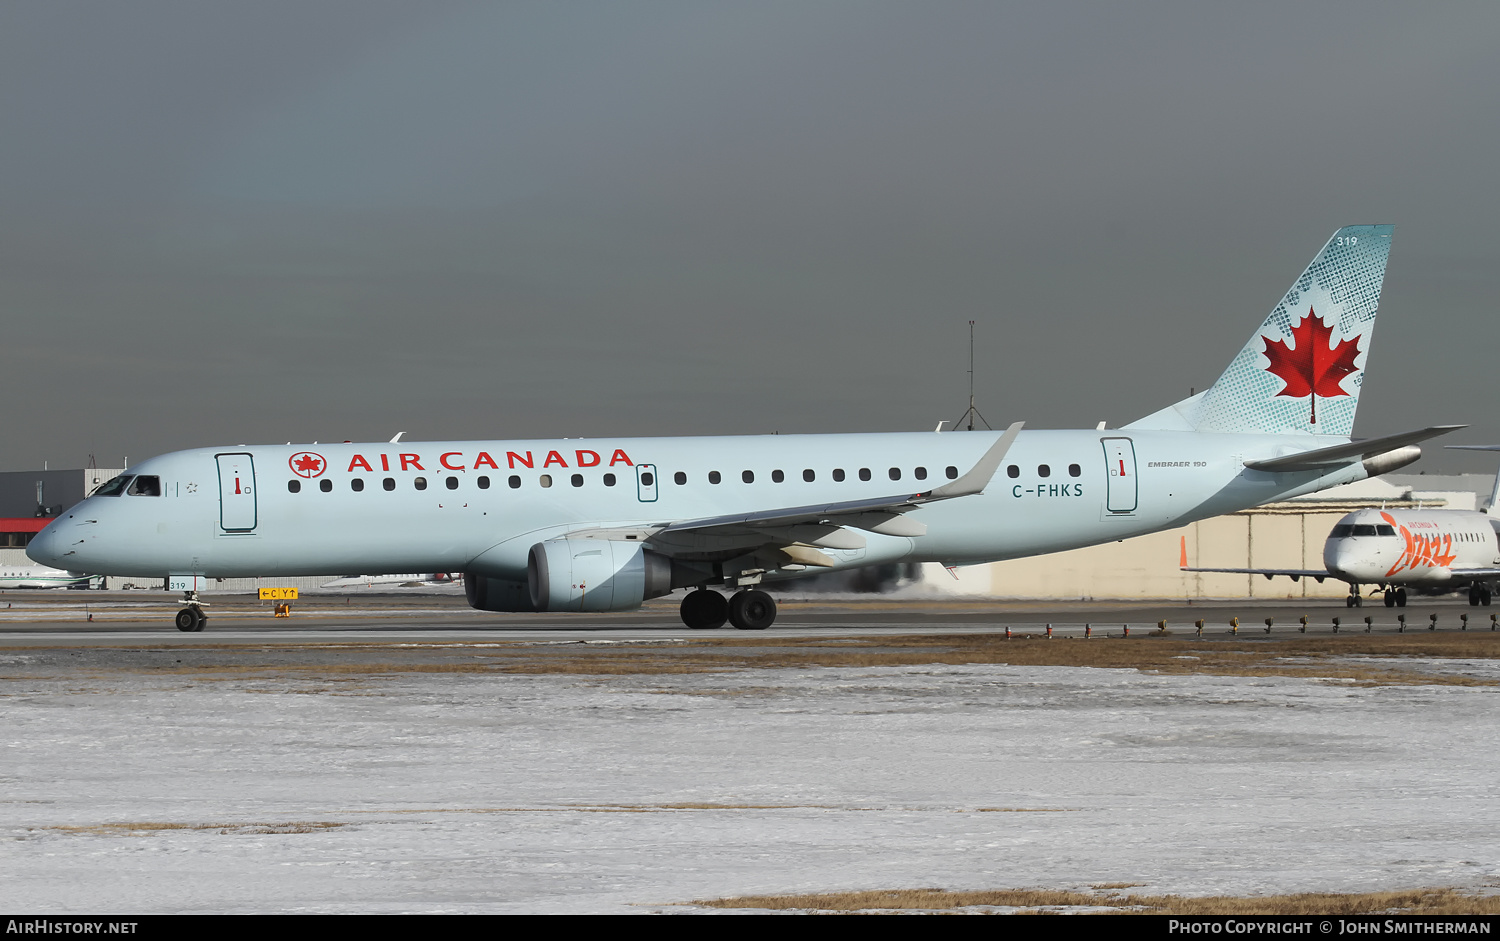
973	412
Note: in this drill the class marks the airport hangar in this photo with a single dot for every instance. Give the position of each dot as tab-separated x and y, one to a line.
1278	535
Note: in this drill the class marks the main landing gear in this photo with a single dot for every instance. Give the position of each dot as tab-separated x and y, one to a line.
748	610
1395	597
192	619
1479	594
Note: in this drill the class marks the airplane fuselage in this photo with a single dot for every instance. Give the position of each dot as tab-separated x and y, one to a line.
479	506
1436	549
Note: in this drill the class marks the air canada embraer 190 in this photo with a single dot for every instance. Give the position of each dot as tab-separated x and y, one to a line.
602	525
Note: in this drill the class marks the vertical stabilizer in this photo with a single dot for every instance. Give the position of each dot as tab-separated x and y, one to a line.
1302	371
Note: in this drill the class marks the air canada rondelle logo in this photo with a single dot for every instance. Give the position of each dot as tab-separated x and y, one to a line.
307	464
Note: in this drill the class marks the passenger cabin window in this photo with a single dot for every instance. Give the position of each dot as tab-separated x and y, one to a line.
777	476
1074	470
389	483
546	480
515	482
294	485
577	480
864	473
115	487
451	483
838	474
1013	471
146	485
920	473
895	473
421	483
951	472
679	478
713	477
325	485
748	476
609	480
809	476
1042	470
483	482
357	484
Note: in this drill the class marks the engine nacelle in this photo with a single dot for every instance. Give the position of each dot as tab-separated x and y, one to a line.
595	575
1387	461
497	594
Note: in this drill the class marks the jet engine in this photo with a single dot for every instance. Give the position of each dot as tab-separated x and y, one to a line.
601	575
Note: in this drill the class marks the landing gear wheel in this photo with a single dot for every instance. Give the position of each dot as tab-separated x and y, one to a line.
1400	597
1351	601
704	610
752	610
1473	597
1484	597
1390	598
190	620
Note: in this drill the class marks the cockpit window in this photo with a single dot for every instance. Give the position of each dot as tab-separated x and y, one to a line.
114	488
1345	530
146	485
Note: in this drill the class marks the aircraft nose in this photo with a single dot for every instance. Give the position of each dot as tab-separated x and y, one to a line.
46	547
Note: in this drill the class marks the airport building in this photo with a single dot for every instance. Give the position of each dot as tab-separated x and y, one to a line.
1279	535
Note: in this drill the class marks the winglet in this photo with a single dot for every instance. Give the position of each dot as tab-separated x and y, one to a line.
979	475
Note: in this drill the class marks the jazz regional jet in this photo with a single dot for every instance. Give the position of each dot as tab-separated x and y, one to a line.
601	525
1434	551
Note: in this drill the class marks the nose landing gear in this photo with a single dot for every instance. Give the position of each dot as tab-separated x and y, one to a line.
192	618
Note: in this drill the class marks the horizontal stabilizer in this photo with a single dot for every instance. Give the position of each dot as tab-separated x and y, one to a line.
1348	453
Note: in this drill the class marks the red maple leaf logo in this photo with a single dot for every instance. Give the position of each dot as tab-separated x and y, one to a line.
1314	366
307	464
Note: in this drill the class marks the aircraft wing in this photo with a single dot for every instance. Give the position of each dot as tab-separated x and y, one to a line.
861	513
802	528
1476	571
1349	453
1293	574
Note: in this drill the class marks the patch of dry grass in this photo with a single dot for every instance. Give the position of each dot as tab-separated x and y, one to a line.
1412	902
1326	657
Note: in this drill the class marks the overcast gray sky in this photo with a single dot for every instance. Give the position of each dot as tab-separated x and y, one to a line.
272	221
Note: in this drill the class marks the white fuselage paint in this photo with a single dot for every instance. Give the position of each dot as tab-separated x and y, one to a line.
226	512
31	576
1413	548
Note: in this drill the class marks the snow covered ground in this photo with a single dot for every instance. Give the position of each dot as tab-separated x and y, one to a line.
461	792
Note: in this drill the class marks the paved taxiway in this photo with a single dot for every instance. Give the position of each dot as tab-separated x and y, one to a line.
59	617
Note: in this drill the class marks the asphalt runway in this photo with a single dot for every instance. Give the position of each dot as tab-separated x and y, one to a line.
76	618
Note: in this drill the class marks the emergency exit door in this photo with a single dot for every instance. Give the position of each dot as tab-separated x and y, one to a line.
236	493
1122	492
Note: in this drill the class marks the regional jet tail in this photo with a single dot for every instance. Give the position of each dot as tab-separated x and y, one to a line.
601	525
